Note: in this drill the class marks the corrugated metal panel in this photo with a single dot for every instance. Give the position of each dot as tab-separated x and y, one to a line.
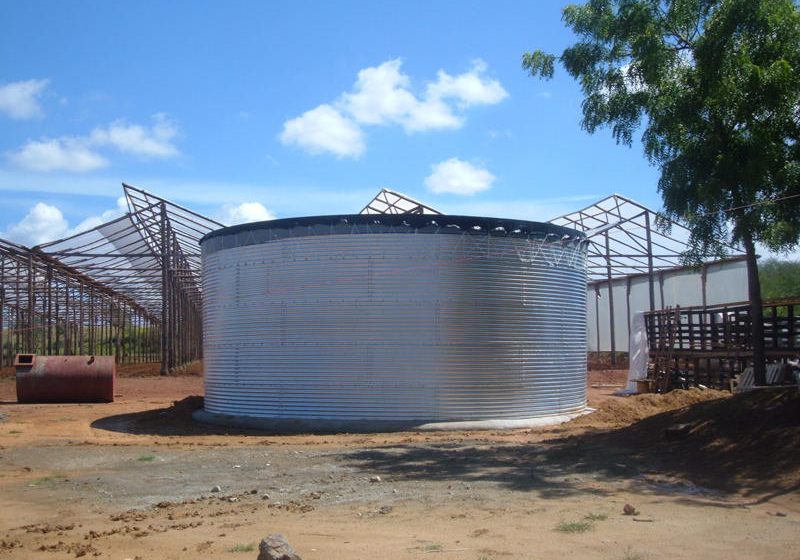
396	326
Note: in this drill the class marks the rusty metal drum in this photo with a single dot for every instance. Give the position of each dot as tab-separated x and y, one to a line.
64	379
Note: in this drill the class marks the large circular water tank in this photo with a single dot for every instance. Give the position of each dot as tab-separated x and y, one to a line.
374	322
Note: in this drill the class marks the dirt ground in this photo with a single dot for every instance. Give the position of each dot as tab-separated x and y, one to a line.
710	476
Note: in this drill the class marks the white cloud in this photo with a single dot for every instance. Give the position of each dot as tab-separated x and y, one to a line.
41	224
458	177
432	114
44	223
67	153
470	88
79	154
150	142
382	95
20	100
324	129
246	212
107	216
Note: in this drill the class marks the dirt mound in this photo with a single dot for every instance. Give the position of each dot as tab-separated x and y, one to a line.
745	441
622	411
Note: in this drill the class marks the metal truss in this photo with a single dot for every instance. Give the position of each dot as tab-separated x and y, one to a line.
47	307
625	240
147	261
392	202
132	286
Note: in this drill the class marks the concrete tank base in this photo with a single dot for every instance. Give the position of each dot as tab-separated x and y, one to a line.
324	426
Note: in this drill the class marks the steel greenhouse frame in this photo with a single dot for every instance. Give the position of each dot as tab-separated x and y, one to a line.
129	287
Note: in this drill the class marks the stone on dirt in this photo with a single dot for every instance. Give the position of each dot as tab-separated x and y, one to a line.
216	489
629	510
276	547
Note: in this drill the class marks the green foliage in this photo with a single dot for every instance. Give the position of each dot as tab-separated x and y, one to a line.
146	458
47	480
779	279
539	64
714	86
596	517
573	527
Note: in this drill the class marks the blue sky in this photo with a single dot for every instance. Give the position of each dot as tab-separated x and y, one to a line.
303	108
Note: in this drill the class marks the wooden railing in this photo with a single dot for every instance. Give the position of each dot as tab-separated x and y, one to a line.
709	345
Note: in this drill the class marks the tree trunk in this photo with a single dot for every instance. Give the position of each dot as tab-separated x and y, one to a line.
756	311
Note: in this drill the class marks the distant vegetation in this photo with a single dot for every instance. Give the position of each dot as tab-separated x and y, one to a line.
779	279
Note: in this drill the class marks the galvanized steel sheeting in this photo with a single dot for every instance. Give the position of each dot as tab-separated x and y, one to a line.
396	326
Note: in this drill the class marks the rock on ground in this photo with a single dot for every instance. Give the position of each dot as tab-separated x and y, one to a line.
276	547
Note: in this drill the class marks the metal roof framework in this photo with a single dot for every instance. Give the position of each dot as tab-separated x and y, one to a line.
628	239
625	238
392	202
129	254
146	262
142	272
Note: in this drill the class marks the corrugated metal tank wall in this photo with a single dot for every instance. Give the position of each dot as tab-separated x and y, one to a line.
394	321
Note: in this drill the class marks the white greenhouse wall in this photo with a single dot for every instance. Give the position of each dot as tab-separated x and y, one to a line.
725	281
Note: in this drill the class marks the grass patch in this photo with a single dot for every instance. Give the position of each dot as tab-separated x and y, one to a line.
631	555
596	517
239	547
433	548
46	480
146	458
573	526
15	432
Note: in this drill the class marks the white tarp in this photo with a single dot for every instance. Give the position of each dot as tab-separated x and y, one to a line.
638	351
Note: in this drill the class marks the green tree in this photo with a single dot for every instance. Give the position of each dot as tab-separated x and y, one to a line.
779	279
714	88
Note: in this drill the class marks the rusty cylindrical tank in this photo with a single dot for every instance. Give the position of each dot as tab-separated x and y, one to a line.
64	379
